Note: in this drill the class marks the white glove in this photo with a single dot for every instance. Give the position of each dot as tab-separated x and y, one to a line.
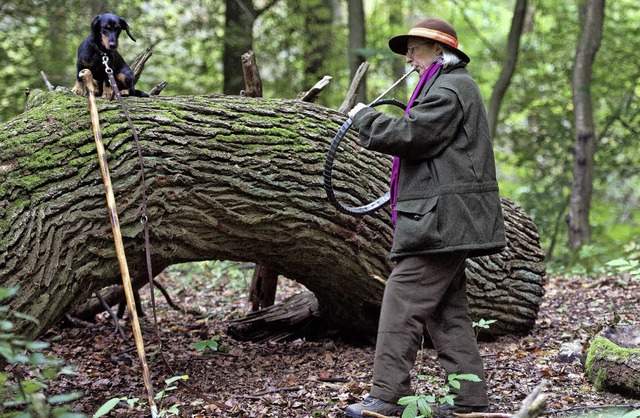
356	109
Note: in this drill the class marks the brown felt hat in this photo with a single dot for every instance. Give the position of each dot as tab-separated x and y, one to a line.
429	28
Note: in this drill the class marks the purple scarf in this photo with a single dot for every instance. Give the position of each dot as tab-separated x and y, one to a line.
395	170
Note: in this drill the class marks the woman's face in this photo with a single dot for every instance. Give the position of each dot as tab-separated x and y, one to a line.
421	53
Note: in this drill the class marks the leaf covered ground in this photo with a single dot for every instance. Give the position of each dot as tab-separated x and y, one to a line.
318	378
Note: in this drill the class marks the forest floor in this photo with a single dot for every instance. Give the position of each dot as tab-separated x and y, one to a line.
319	378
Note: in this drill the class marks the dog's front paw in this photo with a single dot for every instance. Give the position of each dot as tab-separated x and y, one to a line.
107	93
78	89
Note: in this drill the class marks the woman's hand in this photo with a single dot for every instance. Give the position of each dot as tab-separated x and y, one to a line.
352	113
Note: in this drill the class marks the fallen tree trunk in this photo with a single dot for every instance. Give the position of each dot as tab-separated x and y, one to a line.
229	178
508	277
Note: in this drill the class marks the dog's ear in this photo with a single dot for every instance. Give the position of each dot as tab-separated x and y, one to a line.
95	26
124	25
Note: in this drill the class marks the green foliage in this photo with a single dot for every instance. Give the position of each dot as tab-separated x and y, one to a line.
482	324
133	402
211	344
421	405
620	265
593	260
24	387
213	275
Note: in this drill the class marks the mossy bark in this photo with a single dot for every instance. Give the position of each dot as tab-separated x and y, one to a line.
228	177
612	367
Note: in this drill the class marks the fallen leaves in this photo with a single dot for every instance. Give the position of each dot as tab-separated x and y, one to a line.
319	378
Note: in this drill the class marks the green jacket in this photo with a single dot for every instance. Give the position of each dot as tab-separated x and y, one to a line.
448	196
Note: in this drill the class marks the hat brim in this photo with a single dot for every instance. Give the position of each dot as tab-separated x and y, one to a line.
398	44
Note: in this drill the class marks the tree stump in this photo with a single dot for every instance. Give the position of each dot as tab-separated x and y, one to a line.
613	361
264	284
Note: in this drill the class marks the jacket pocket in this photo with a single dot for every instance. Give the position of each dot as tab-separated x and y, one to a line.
417	226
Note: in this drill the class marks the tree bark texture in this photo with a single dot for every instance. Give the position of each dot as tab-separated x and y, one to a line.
228	178
584	144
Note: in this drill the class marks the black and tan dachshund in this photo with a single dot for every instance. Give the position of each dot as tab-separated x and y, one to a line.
103	41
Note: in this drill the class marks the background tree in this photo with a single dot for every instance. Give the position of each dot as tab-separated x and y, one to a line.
240	17
532	139
357	42
315	19
509	66
592	16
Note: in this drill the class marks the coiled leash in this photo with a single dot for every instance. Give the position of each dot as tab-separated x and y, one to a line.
331	153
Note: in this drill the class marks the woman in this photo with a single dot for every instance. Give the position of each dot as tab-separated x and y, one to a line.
445	208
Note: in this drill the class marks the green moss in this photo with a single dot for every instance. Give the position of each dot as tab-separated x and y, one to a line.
603	348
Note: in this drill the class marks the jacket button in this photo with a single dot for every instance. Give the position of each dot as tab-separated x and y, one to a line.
416	217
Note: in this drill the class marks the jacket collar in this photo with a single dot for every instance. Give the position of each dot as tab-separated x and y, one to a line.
442	70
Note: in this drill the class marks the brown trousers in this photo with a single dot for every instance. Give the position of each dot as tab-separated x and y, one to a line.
427	292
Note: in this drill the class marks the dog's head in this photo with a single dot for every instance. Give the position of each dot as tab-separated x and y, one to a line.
106	29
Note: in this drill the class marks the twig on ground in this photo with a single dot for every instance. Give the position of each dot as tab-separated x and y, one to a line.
272	390
534	404
373	414
111	314
593	407
167	297
77	322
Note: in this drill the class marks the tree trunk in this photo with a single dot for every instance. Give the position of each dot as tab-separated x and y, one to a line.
506	287
357	40
317	36
613	361
229	178
584	145
509	67
264	286
238	40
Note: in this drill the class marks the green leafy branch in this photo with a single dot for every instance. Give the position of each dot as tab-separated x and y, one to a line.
25	397
172	410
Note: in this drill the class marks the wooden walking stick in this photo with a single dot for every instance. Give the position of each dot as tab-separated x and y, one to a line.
87	77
